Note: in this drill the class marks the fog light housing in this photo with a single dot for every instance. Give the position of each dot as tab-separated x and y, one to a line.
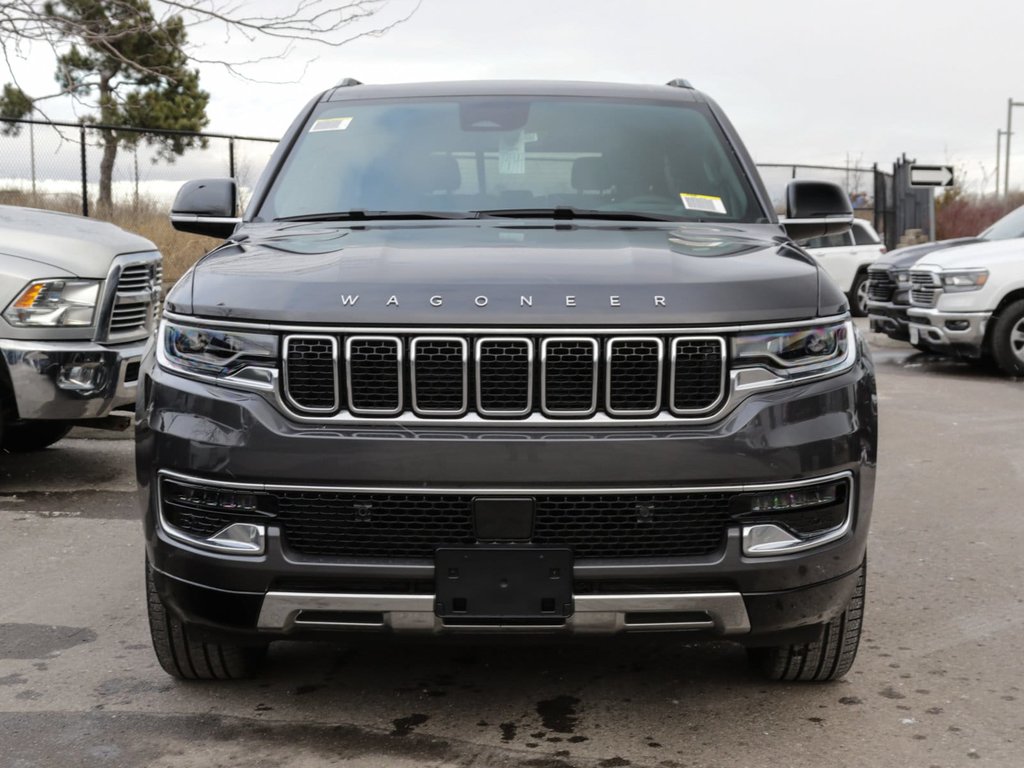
958	325
220	519
787	520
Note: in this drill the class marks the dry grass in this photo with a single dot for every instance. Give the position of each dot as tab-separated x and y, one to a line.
147	218
959	215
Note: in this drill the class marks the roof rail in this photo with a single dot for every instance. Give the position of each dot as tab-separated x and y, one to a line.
679	83
347	82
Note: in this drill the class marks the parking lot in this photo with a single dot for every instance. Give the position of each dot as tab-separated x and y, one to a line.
938	679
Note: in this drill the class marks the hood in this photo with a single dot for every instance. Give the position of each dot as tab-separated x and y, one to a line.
80	246
982	254
499	273
908	256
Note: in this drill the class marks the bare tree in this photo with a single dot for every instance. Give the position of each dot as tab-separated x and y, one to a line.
284	26
132	62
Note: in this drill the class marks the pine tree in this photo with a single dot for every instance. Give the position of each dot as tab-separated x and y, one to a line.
131	69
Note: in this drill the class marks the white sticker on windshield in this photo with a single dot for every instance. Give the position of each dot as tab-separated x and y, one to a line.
706	203
512	154
330	124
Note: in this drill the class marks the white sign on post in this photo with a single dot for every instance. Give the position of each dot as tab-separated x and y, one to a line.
931	175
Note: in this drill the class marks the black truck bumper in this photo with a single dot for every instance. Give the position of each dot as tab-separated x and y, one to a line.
890	319
223	442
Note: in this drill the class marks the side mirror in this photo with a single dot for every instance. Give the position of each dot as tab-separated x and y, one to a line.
206	207
816	209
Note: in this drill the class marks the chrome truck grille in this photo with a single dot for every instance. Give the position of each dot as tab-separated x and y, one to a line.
134	306
504	377
881	286
924	288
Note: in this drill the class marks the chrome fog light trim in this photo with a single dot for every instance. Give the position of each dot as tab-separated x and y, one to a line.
767	539
245	538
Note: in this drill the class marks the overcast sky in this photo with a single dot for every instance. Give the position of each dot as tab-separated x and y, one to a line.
803	80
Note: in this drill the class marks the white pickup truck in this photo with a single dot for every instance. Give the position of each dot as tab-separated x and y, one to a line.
78	300
969	301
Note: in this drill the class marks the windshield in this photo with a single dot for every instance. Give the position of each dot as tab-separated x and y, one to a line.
1008	227
499	155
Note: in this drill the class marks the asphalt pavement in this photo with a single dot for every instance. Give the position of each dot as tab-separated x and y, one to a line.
939	680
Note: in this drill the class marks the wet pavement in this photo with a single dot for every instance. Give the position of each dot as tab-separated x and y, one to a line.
938	682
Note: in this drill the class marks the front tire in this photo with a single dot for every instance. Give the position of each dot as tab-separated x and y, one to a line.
187	657
858	295
828	658
1008	339
29	436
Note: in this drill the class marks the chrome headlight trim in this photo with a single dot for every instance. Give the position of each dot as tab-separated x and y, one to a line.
768	367
243	359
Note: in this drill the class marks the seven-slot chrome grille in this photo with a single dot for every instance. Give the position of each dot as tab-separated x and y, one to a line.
924	288
503	377
881	286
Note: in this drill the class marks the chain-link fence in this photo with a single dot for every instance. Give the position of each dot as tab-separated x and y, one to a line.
58	165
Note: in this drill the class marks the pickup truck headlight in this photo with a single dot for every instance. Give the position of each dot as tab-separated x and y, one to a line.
54	304
964	280
798	352
213	351
903	276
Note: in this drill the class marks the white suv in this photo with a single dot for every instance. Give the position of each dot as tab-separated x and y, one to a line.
846	258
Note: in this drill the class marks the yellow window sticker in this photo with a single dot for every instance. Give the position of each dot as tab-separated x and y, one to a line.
330	124
706	203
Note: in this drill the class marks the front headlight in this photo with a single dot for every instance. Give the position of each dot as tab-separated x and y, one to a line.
964	280
798	352
903	277
213	351
54	304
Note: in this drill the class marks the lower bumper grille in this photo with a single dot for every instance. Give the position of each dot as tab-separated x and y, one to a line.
396	524
414	525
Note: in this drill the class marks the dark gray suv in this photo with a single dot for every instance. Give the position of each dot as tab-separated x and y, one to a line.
513	358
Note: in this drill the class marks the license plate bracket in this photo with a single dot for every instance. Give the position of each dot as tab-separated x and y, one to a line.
915	335
503	583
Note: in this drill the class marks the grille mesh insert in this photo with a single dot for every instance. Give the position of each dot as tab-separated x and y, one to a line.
439	366
634	375
503	367
311	373
570	381
375	374
698	374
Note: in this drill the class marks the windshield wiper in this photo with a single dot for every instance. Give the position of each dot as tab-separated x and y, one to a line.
568	212
361	215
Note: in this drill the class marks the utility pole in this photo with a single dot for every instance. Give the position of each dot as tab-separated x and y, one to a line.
1010	104
999	154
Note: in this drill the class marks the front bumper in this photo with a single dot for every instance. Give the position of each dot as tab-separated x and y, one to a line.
889	318
796	434
71	379
960	333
